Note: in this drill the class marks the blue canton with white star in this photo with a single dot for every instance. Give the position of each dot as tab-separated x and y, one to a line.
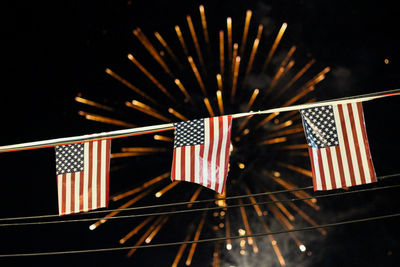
189	133
319	124
69	158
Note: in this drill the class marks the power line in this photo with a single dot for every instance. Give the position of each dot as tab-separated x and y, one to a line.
195	210
201	240
178	203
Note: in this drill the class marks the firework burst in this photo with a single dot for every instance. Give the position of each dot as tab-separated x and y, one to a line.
196	72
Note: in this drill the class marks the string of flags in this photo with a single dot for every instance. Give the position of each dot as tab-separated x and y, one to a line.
335	132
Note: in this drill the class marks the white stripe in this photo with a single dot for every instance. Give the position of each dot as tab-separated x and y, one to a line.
60	192
76	195
316	168
197	164
336	170
214	164
68	193
205	155
187	163
103	177
221	169
351	145
361	143
342	147
94	175
178	163
325	168
86	177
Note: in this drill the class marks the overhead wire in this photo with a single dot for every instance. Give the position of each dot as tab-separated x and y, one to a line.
178	203
194	210
200	240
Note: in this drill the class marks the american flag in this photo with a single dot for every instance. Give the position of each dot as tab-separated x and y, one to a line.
338	146
201	151
83	172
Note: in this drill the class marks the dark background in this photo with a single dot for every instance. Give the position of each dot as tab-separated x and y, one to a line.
56	49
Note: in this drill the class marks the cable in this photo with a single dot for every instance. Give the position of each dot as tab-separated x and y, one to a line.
177	203
195	210
201	240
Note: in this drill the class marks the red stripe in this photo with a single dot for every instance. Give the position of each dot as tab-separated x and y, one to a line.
321	169
366	143
227	150
98	184
340	164
192	163
310	153
346	144
108	152
210	151
183	176
201	167
218	158
73	193
356	145
90	173
330	165
64	194
173	165
81	191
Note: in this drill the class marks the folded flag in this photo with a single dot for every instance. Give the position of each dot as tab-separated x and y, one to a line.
338	146
201	151
83	172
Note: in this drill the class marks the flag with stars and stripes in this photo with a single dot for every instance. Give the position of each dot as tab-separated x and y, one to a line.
338	146
83	172
201	151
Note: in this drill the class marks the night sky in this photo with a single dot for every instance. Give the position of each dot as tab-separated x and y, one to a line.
55	50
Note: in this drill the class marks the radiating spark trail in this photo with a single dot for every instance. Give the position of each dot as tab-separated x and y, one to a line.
235	78
167	48
194	196
177	114
251	60
196	42
252	99
274	46
141	107
151	77
247	227
153	52
163	138
142	187
229	35
103	119
92	103
305	172
145	235
136	230
300	194
197	75
183	90
181	40
245	32
220	103
221	52
273	243
208	106
182	248
129	85
156	230
166	189
125	205
196	237
204	25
